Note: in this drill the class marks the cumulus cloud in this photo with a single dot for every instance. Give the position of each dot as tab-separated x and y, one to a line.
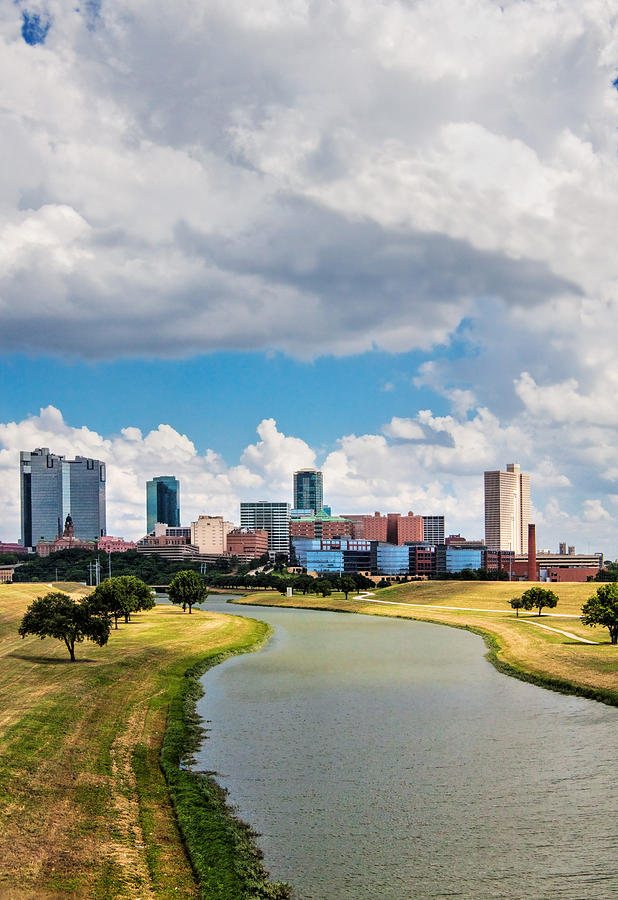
178	180
428	464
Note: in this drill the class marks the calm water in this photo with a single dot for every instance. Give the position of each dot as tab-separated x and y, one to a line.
387	759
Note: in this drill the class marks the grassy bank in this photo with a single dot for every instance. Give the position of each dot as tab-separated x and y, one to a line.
85	808
517	645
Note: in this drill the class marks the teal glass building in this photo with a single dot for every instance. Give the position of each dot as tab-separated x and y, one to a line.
162	502
52	488
308	490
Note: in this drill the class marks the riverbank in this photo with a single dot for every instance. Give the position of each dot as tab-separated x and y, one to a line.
84	803
516	644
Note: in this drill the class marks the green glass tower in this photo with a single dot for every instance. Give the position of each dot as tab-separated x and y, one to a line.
162	502
308	490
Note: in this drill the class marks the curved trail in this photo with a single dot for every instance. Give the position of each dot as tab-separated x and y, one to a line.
368	595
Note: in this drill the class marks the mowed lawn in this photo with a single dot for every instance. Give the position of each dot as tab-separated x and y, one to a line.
84	808
520	642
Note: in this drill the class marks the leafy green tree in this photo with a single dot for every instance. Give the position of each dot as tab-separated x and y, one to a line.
322	586
346	584
602	609
539	598
59	616
304	583
608	573
517	603
187	589
122	596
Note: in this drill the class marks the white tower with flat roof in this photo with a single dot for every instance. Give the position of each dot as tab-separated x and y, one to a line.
507	509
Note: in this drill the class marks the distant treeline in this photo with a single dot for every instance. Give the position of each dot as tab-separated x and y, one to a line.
281	580
74	565
609	573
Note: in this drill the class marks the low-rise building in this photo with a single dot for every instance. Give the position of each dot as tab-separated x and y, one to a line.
170	542
18	549
247	544
6	574
564	566
320	525
110	544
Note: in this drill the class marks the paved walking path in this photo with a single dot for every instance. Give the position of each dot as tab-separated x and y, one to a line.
568	634
367	597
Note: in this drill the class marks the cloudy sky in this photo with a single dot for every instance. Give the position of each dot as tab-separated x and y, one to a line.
375	237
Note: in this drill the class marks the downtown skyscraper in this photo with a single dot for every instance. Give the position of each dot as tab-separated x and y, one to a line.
308	490
53	488
507	509
162	502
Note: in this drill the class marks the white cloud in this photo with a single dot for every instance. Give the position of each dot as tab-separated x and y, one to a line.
181	179
404	429
564	402
392	472
594	511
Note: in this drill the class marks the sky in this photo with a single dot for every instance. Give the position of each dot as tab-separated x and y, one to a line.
241	238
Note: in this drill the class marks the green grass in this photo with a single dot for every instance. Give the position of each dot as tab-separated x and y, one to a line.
85	809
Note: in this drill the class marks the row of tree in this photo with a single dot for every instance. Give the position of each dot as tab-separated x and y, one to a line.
58	615
302	584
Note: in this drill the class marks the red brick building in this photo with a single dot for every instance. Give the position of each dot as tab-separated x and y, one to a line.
247	544
375	527
403	529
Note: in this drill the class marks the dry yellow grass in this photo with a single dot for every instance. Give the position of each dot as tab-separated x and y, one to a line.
78	816
543	654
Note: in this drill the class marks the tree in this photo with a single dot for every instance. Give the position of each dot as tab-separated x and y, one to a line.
346	585
602	609
122	596
538	598
322	586
304	583
59	616
187	589
517	603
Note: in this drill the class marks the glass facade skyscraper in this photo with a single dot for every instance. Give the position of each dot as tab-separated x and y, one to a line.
52	488
308	490
162	502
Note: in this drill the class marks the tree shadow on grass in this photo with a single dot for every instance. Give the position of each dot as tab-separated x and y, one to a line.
50	660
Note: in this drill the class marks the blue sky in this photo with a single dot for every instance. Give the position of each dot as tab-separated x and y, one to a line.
238	239
219	398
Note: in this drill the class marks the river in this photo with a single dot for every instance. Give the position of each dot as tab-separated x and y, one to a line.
379	758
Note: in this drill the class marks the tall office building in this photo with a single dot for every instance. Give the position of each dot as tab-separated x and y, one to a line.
271	517
53	488
308	490
209	534
507	509
433	529
162	502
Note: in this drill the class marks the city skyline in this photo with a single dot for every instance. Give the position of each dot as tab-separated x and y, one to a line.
264	472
